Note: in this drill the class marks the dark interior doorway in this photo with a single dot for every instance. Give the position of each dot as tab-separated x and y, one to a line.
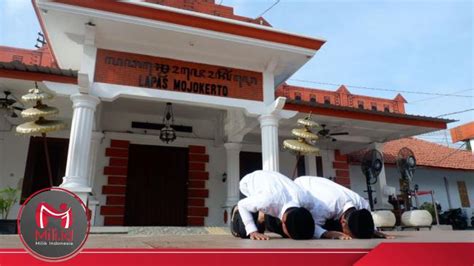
249	162
156	186
36	171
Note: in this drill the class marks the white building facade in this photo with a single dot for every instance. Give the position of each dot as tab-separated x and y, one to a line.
220	76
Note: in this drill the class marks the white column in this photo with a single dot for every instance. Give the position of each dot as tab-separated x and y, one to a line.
471	143
233	175
270	151
310	165
77	168
380	186
268	87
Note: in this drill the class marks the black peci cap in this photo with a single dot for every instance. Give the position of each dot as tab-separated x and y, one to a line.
299	223
361	224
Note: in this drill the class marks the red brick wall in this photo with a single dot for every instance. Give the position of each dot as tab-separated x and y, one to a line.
40	57
341	167
197	191
208	7
116	172
115	189
343	97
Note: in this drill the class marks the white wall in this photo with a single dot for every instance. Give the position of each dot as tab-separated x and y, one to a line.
427	179
13	153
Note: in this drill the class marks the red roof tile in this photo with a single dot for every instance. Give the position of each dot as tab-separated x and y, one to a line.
427	154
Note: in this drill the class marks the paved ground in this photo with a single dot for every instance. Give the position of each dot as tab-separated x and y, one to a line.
217	237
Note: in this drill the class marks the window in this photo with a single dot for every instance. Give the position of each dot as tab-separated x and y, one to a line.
312	98
463	194
17	58
297	96
327	100
319	166
386	108
373	106
360	104
301	167
36	173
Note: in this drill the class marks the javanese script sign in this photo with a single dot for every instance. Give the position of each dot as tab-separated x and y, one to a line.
175	75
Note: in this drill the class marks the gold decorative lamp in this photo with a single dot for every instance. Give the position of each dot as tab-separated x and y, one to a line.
38	124
302	145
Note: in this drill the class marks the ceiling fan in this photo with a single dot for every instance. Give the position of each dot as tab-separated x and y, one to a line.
7	105
326	133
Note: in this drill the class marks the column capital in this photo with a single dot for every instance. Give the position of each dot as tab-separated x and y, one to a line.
84	100
97	135
232	146
377	145
269	120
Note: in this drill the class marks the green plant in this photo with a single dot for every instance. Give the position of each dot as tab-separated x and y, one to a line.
8	197
429	207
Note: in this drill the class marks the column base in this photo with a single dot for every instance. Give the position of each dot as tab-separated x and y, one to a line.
79	189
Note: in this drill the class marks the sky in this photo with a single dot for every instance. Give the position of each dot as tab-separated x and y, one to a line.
423	46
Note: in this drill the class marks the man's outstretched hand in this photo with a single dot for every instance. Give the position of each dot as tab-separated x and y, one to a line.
336	235
258	236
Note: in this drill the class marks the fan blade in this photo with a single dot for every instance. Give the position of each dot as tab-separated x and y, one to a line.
339	134
10	101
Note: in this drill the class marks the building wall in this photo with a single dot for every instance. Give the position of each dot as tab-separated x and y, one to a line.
41	56
13	152
427	179
342	97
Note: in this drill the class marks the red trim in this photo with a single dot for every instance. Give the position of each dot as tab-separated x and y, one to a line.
108	170
340	165
119	144
198	175
198	193
197	184
195	221
118	165
115	200
113	220
46	35
197	166
197	149
197	22
365	116
117	180
345	181
35	76
114	152
342	173
198	211
199	158
196	202
112	210
121	162
113	190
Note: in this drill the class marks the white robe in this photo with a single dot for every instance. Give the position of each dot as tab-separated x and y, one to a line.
271	193
337	198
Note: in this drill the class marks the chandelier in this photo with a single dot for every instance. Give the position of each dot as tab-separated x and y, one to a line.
167	133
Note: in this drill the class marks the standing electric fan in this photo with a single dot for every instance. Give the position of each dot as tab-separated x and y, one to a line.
372	164
412	217
406	163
